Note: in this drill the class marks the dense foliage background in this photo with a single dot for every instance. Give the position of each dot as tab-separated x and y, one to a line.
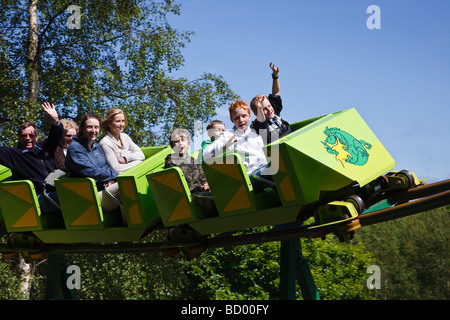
124	54
411	252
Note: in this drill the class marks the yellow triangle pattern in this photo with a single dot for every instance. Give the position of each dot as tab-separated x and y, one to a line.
126	186
287	189
20	192
231	171
239	201
286	186
88	218
133	213
181	212
27	220
169	180
282	167
80	188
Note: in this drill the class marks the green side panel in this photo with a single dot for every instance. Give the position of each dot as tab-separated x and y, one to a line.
91	236
328	154
20	207
282	166
300	124
138	202
5	173
80	205
173	198
151	151
230	185
264	217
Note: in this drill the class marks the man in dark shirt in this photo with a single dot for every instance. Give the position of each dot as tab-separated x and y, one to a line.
33	160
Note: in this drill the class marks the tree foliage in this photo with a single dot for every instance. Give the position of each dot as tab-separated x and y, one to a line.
339	269
236	273
122	55
413	255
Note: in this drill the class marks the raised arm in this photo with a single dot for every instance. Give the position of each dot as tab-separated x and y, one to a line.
56	131
260	117
51	112
275	83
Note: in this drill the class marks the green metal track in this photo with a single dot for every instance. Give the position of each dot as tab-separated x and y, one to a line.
433	196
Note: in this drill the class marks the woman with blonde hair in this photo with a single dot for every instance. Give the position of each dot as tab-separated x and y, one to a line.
70	131
120	151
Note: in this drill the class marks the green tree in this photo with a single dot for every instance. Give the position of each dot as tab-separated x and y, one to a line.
232	273
339	269
9	280
89	56
413	255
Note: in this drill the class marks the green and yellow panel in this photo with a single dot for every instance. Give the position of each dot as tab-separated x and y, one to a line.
20	206
138	202
5	173
173	198
232	189
327	154
80	205
230	185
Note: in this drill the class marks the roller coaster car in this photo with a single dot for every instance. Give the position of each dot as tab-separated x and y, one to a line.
81	218
331	168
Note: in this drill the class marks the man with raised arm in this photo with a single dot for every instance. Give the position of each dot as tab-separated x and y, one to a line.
33	160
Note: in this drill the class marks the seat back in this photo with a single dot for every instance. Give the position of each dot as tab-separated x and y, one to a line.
137	199
230	185
81	206
20	206
173	198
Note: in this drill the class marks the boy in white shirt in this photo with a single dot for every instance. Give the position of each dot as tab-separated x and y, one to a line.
240	139
244	141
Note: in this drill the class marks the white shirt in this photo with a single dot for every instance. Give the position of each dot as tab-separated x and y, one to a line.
113	150
249	146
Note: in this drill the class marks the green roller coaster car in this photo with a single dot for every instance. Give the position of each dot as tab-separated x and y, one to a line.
328	168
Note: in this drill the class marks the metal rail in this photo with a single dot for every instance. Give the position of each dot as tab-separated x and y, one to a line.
432	196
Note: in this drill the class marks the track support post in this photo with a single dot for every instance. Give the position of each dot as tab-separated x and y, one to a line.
294	267
56	279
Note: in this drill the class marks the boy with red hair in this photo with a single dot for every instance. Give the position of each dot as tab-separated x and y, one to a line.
240	139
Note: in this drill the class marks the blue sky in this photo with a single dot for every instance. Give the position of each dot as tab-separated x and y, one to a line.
397	77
